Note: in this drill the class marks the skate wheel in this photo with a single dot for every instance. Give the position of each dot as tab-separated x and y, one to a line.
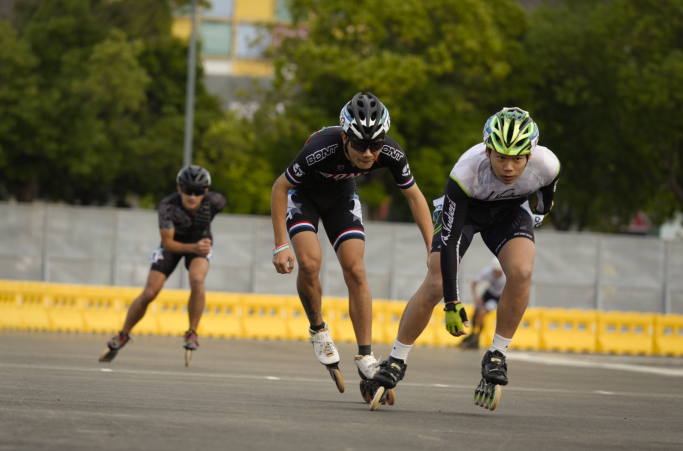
366	390
108	355
188	356
336	376
479	393
378	399
495	397
391	397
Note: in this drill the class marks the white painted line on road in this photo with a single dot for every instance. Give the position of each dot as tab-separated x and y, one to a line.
326	381
107	370
600	392
560	361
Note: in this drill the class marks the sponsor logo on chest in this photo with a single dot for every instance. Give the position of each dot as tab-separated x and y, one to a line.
321	154
342	176
507	194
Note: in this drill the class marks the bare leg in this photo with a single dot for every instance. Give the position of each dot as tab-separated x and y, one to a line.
199	267
155	281
308	253
517	260
419	310
350	255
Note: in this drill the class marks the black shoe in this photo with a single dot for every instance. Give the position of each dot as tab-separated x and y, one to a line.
470	342
494	369
390	372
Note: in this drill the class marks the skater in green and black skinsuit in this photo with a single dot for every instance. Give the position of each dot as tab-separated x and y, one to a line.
487	193
185	227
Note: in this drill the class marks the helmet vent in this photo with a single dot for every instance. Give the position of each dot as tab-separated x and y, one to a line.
511	132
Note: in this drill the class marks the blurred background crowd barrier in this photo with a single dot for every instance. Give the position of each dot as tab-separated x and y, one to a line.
107	246
40	306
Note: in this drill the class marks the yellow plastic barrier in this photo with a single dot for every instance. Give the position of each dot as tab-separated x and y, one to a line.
669	335
103	310
392	316
528	335
61	307
10	318
569	330
222	317
264	317
297	321
336	314
33	308
172	317
65	308
626	333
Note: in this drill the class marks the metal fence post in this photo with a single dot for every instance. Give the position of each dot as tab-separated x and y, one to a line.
666	289
598	277
114	251
393	289
46	257
254	256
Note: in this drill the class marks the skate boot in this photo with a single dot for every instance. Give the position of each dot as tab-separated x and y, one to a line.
390	372
190	344
327	354
367	367
117	342
470	342
494	374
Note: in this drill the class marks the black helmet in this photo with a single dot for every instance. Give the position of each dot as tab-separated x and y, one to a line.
365	117
194	176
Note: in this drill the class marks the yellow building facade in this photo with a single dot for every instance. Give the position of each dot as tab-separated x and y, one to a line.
234	35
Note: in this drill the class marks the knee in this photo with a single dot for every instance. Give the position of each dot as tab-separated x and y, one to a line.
355	273
196	283
309	268
149	294
434	292
519	277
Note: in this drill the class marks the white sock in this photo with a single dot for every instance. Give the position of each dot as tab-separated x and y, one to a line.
401	351
500	344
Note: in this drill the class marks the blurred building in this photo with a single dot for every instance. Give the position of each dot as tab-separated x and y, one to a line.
235	36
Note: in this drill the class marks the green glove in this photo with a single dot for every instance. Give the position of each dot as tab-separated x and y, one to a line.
455	317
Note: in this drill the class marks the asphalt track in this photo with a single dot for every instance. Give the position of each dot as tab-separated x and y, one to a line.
258	395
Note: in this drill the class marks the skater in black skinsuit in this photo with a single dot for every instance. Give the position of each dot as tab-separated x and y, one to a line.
185	227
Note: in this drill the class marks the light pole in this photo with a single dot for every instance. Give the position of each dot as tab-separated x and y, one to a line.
189	99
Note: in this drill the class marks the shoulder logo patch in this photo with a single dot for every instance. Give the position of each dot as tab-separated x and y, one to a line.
406	170
297	170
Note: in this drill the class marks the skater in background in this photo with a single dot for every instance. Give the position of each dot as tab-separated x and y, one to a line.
185	227
320	184
485	303
487	192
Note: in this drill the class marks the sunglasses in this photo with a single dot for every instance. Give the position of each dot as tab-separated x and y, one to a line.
190	191
360	146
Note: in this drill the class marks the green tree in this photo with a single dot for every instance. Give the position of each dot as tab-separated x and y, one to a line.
108	115
607	81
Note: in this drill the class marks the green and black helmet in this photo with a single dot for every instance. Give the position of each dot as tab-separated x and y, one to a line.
511	131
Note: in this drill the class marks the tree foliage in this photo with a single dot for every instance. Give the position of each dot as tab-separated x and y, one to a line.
95	100
92	97
608	91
